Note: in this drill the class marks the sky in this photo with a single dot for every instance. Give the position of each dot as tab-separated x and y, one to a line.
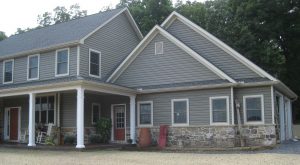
23	13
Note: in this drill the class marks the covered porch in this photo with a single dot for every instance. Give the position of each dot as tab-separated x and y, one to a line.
73	110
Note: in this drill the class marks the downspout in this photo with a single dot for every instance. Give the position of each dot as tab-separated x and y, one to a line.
238	106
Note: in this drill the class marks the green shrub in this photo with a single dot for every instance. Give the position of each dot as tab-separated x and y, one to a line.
95	139
103	128
70	139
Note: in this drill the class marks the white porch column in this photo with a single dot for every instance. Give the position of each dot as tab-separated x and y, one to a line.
132	120
80	118
31	124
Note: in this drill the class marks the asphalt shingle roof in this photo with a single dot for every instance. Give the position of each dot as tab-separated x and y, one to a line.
70	31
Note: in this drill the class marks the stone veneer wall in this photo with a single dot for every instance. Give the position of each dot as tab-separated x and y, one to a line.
71	131
217	136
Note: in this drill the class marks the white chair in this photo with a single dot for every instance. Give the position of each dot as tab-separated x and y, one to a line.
23	137
41	138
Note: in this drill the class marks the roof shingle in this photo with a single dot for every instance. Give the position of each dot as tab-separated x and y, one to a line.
65	32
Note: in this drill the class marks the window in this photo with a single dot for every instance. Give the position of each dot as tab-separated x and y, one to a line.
33	67
145	113
95	113
253	109
159	48
62	62
180	111
219	110
44	109
8	69
95	60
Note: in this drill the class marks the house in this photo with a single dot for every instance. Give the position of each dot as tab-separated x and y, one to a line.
179	75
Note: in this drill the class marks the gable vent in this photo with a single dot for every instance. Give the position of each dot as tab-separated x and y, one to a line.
159	48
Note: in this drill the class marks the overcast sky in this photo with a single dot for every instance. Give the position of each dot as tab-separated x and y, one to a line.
23	13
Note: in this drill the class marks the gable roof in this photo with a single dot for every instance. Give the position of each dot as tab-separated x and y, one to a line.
158	30
174	15
66	33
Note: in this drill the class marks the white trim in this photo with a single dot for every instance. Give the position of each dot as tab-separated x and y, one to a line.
211	110
262	109
181	45
38	67
162	48
58	109
12	70
218	43
99	112
7	120
135	27
138	113
273	104
95	51
232	105
113	121
78	60
187	112
68	66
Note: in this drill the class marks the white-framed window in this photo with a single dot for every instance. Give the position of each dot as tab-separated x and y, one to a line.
62	62
145	113
180	112
33	65
219	110
96	112
159	48
253	106
8	71
94	63
45	109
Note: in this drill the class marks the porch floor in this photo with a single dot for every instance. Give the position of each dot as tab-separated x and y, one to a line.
111	146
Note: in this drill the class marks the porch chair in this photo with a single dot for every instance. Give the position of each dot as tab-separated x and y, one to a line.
23	137
41	138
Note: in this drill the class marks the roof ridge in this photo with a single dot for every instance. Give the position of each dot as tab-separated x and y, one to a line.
43	27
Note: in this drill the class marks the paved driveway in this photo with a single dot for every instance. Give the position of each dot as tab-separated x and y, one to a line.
284	154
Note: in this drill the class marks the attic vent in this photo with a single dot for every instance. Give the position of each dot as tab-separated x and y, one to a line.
159	48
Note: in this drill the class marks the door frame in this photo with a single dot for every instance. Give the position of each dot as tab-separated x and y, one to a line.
6	120
113	123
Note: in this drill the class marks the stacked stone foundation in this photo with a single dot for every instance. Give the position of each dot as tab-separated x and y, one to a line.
216	136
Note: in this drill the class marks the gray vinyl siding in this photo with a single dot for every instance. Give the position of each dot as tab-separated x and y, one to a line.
106	102
199	110
115	41
68	109
210	51
174	66
69	102
265	91
20	101
47	66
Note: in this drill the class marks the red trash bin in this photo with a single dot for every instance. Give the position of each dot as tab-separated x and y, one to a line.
163	131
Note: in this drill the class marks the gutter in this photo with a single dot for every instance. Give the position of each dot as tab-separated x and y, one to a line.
36	51
238	84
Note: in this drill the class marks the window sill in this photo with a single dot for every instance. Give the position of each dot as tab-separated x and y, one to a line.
61	75
255	123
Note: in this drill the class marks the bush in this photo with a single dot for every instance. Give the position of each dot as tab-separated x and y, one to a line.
70	139
95	139
103	128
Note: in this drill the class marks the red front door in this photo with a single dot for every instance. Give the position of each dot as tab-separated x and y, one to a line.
14	124
119	122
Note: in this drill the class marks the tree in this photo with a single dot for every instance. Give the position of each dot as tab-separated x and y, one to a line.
148	13
61	14
2	36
